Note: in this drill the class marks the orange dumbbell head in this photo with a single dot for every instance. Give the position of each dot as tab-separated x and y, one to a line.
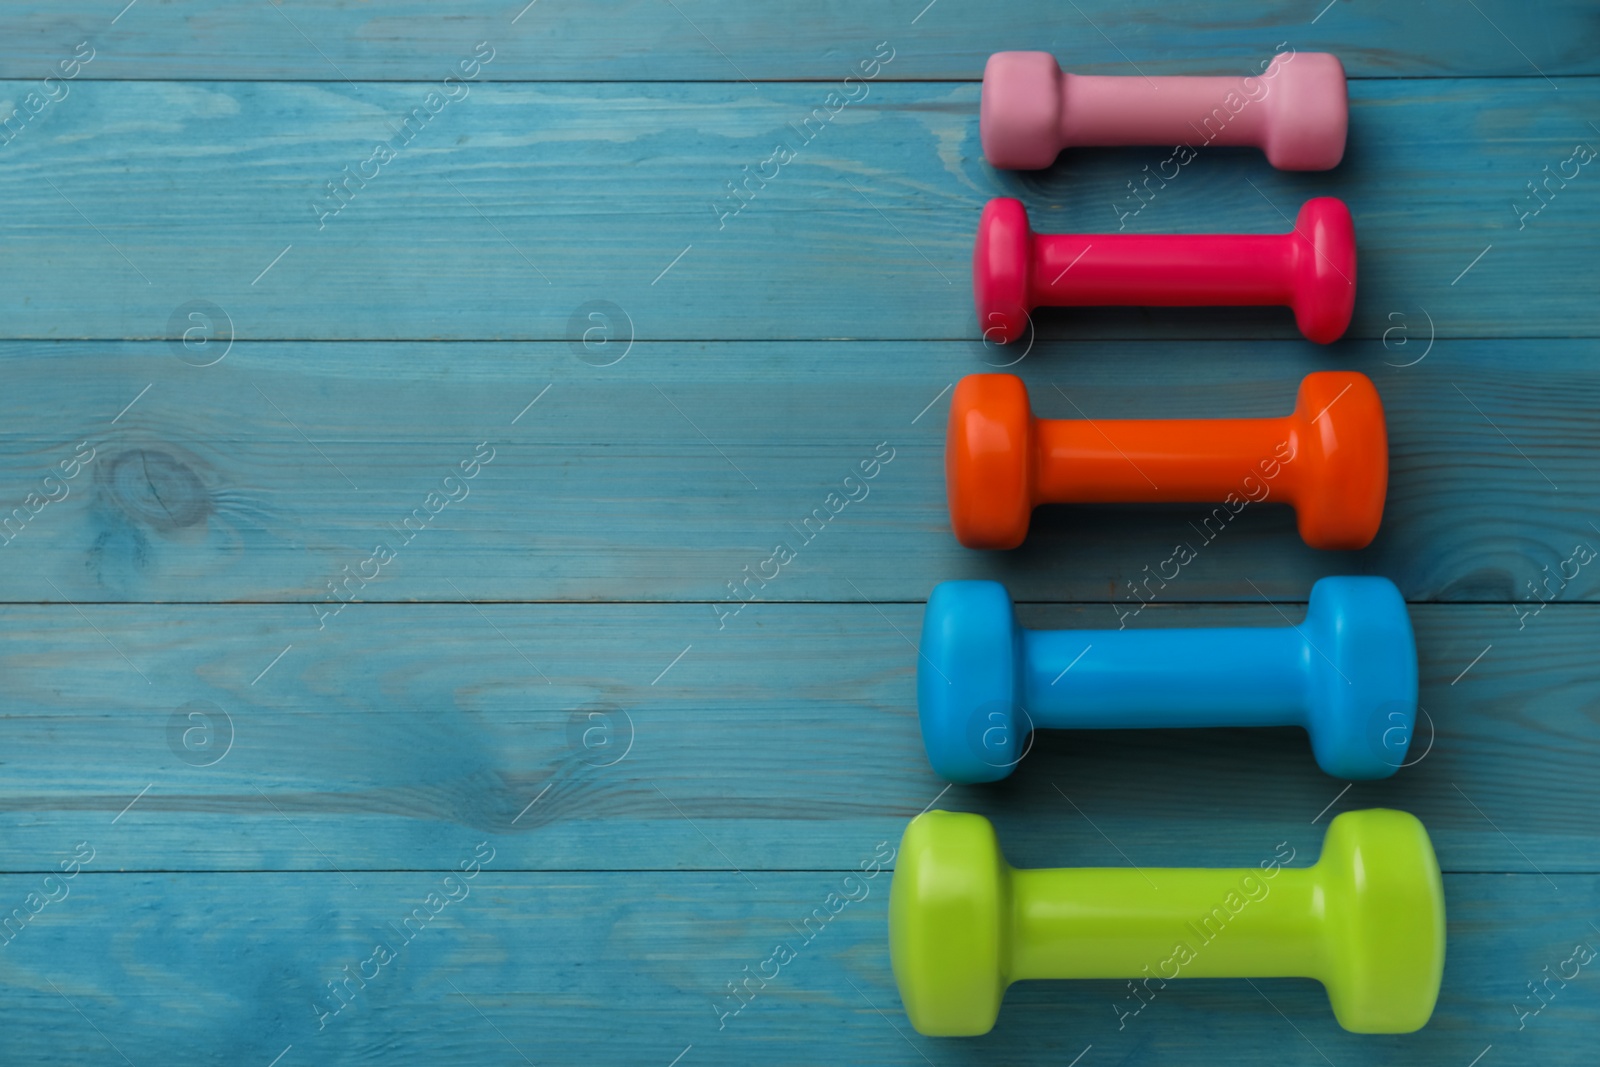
988	461
1341	447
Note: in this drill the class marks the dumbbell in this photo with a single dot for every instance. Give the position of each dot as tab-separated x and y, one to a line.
1329	459
1367	921
1297	111
1347	674
1311	269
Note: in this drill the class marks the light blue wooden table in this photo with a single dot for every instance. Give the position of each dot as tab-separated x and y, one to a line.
536	396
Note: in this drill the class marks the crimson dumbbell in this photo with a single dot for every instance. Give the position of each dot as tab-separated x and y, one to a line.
1311	269
1329	459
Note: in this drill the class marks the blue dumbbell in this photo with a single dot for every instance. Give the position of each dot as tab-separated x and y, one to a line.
1348	674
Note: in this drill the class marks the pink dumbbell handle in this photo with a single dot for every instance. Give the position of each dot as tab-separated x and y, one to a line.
1120	110
1170	270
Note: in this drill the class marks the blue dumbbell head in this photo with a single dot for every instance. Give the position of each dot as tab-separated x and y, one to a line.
1347	673
968	683
1363	661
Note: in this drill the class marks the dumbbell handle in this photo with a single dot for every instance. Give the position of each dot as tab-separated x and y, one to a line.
1120	110
1150	460
1244	676
1166	270
1114	922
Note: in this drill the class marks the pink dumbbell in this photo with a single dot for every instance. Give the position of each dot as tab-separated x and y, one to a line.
1297	111
1311	269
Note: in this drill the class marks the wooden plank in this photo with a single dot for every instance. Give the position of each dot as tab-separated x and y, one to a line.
240	737
165	968
630	40
674	473
514	208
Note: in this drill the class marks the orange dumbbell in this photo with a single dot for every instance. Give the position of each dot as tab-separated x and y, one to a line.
1329	460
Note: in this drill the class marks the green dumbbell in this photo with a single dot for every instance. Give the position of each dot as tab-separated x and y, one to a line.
1367	920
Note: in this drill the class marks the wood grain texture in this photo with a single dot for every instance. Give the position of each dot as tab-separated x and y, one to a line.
614	736
634	968
517	205
675	472
699	40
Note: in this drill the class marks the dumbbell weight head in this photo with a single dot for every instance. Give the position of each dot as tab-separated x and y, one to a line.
1383	891
1019	117
1324	269
949	923
1340	458
973	725
1002	259
1363	696
988	460
1310	109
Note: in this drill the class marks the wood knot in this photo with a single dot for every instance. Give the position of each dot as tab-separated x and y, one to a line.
156	488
